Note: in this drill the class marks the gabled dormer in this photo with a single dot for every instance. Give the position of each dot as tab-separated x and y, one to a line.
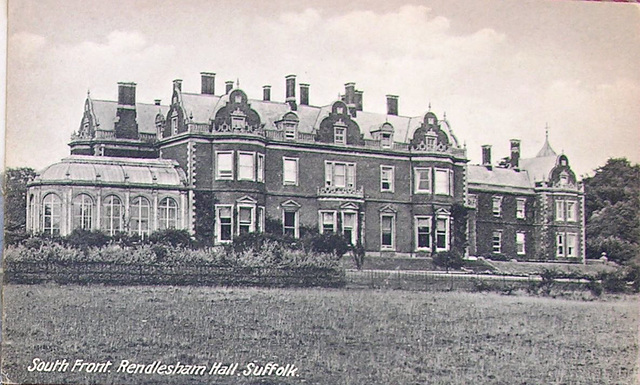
288	125
175	121
429	135
236	114
339	128
561	176
384	134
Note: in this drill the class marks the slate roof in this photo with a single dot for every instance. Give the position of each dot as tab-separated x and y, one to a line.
114	171
105	112
481	176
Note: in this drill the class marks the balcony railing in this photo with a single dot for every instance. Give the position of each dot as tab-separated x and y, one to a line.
146	137
199	128
340	192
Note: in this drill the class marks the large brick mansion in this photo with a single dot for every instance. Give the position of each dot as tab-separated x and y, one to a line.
221	164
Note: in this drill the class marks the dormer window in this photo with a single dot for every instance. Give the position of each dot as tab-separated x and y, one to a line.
174	124
431	120
339	133
386	140
290	130
431	139
238	99
339	110
564	179
238	119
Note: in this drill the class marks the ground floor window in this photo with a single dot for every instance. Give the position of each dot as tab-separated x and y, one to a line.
423	233
567	245
442	234
51	209
496	242
387	231
245	220
112	215
167	214
327	222
224	228
290	223
349	226
140	215
520	243
83	212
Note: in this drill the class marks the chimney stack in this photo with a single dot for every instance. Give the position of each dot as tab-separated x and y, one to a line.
486	155
290	83
266	93
515	153
126	126
392	105
208	83
228	86
358	100
126	94
177	84
304	94
157	102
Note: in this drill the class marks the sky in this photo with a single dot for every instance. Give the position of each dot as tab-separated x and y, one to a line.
498	69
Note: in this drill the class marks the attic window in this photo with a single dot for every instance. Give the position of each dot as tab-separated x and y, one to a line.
564	179
290	129
174	124
238	119
238	99
431	120
385	140
340	110
339	136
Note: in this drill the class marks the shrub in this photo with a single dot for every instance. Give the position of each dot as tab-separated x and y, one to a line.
448	259
173	237
84	238
329	243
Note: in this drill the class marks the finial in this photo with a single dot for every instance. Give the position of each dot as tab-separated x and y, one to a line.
546	131
465	144
444	115
429	106
237	82
88	93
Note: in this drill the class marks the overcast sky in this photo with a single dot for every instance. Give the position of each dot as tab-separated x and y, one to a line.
499	69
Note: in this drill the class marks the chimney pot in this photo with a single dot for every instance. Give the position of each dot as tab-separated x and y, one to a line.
157	102
515	153
177	84
486	155
304	94
266	93
127	94
208	83
392	105
228	86
290	83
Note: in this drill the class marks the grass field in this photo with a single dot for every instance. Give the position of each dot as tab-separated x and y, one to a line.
332	336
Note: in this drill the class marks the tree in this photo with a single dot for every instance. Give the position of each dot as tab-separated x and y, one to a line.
612	200
15	198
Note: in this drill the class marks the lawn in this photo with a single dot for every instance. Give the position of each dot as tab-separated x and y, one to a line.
331	336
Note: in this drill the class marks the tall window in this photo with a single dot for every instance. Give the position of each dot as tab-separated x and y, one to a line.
496	242
496	207
571	211
224	165
349	226
560	245
140	214
442	183
290	223
572	244
386	178
520	243
327	222
51	208
442	234
224	229
33	218
290	171
423	233
423	179
520	208
339	135
83	212
112	215
260	220
245	220
174	124
246	163
387	231
560	210
167	214
260	168
338	174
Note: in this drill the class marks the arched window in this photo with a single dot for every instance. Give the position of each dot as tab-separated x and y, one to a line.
140	216
167	214
113	213
83	212
51	208
33	214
